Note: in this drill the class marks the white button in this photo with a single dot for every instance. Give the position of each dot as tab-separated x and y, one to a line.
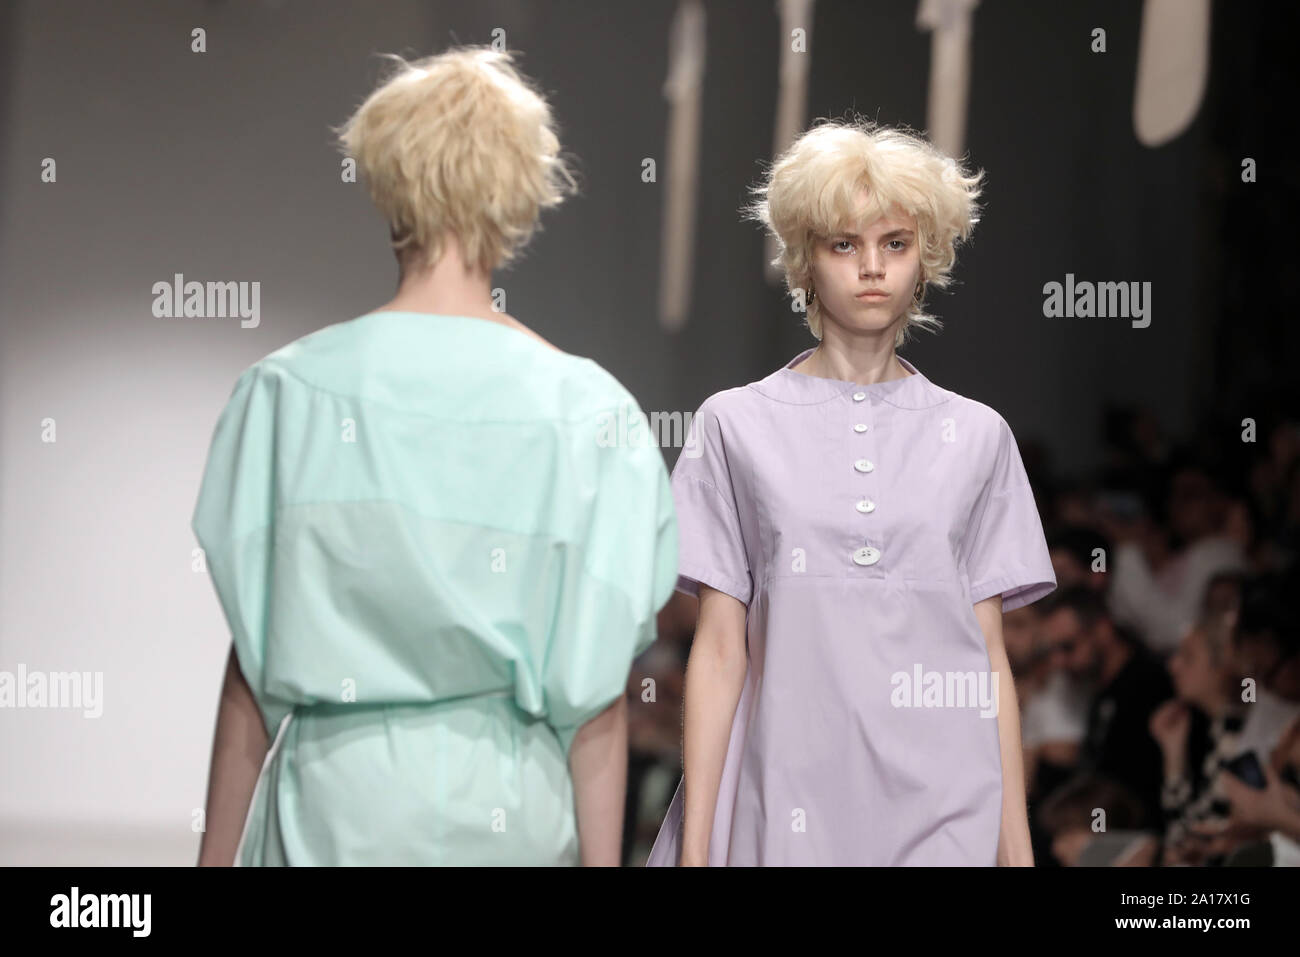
867	556
863	465
860	427
866	505
859	396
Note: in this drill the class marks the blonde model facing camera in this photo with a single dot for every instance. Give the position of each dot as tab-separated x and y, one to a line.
435	574
854	533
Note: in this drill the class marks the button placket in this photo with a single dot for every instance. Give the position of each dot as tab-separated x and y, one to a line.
867	554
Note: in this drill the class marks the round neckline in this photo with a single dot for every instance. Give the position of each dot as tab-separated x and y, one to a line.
913	391
440	315
913	372
477	320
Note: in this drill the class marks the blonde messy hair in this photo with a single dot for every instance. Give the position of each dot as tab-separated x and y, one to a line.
458	143
812	192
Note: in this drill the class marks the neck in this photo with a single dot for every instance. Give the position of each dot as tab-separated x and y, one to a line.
450	287
866	359
1217	705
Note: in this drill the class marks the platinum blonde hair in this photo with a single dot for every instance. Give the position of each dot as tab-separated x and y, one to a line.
461	143
812	191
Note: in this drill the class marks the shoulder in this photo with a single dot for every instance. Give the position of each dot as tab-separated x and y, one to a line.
721	416
310	350
305	361
1217	552
981	428
588	387
467	370
977	413
729	409
725	406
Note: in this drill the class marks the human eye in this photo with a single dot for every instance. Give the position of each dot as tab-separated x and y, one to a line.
902	244
835	246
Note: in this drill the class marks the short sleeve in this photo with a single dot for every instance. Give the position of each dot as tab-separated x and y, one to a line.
711	537
234	523
1005	550
614	582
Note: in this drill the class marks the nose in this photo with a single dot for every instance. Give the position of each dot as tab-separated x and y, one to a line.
873	263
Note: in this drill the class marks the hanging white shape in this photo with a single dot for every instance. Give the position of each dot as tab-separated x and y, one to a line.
949	94
682	89
1173	66
791	98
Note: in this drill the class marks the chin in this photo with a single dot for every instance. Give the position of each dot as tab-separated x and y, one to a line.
872	320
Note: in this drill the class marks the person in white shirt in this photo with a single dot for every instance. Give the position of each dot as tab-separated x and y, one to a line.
1162	601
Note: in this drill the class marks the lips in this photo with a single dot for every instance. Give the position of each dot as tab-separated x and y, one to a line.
870	293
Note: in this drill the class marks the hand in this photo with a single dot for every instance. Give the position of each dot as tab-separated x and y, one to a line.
1217	838
1188	852
1169	725
1256	807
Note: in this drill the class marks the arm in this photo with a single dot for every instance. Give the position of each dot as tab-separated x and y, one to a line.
715	676
598	763
1169	726
1013	840
238	750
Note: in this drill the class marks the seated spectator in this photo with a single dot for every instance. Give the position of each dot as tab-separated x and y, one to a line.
1161	599
1205	680
1053	707
1266	643
1273	810
1129	685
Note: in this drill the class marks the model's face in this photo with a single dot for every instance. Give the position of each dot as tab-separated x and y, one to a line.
878	257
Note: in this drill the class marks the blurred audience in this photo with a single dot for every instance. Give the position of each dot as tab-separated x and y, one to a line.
1126	684
1205	680
1160	572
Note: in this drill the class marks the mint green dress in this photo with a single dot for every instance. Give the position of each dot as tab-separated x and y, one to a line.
438	544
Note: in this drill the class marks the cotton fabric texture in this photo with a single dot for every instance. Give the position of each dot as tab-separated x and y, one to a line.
859	524
436	566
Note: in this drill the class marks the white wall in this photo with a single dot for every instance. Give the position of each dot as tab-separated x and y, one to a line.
218	166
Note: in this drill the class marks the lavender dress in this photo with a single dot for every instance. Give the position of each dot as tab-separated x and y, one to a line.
858	524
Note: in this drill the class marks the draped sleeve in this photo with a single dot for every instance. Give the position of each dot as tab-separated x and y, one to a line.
712	548
616	578
1006	551
234	523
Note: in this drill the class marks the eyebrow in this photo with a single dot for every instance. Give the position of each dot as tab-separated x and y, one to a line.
889	235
